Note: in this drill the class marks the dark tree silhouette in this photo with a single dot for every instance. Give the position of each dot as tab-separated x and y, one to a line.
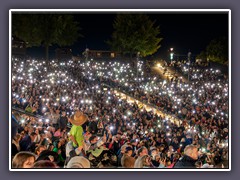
45	29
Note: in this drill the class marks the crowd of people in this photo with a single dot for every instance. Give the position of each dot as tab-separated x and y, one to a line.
67	115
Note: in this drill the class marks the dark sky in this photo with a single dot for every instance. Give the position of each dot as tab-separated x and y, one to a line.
182	31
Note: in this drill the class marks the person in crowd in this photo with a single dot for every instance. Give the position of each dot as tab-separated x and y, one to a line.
141	152
15	144
198	117
39	149
76	132
78	162
189	158
27	143
144	162
15	124
44	164
129	163
23	159
50	156
63	121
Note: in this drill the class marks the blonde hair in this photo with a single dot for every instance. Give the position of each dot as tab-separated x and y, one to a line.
141	161
20	158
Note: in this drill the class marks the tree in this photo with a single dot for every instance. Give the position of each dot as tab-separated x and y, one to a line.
202	56
45	29
135	33
217	50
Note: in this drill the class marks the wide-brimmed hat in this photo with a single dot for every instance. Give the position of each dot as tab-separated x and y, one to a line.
78	162
78	118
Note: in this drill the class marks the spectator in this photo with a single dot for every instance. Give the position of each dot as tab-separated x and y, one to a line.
128	154
27	143
44	164
15	144
23	159
141	152
78	162
15	124
62	121
189	158
76	132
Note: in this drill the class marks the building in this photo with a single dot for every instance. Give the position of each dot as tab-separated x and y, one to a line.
63	53
100	54
19	48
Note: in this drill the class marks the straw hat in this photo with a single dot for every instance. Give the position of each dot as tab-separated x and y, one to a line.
78	118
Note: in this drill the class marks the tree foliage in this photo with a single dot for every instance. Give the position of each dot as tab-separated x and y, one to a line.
135	33
45	29
217	50
202	56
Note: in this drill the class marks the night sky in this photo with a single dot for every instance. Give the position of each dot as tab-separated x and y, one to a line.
182	31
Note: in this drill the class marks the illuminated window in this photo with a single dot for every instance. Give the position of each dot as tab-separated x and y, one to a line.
98	54
112	55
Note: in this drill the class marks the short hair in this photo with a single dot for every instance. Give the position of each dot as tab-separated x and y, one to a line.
198	164
44	164
38	148
189	148
33	134
141	150
92	138
21	157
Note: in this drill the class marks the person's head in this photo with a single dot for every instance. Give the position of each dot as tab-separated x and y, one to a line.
154	152
156	157
123	148
23	159
64	113
129	151
93	139
198	164
78	162
191	151
39	149
134	142
33	136
161	147
17	137
145	161
44	164
142	151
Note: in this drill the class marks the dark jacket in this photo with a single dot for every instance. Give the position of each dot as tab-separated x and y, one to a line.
185	162
63	122
25	143
14	126
93	127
